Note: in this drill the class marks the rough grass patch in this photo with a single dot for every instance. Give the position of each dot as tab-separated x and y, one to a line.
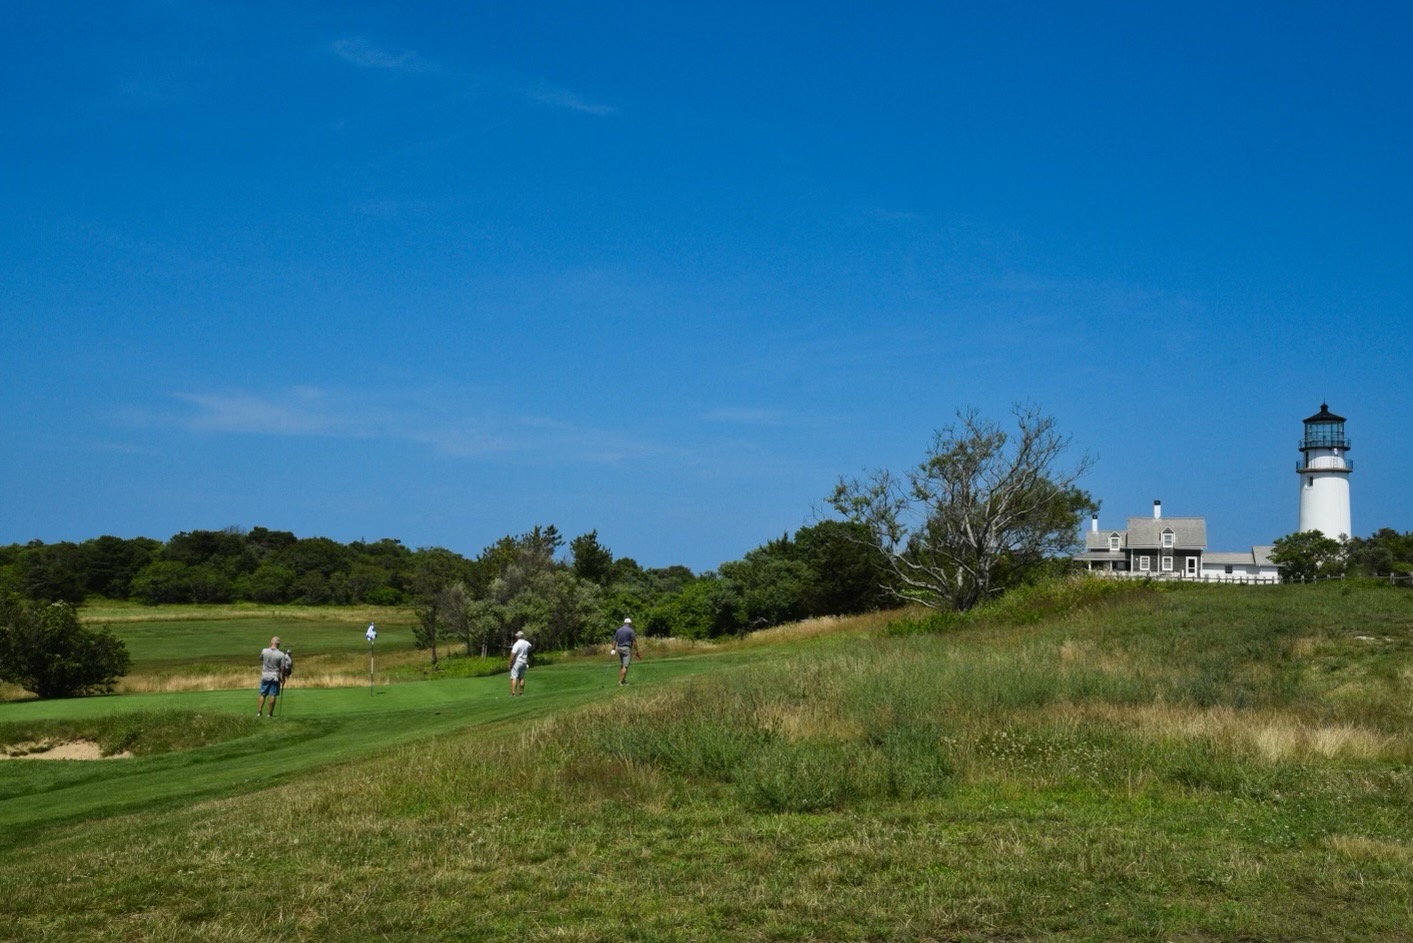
808	776
1097	822
810	721
1088	655
1264	735
1271	737
1363	848
865	624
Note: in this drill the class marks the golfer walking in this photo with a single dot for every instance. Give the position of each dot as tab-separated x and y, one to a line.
519	662
275	666
625	642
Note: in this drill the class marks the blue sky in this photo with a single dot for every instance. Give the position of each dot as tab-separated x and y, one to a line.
448	272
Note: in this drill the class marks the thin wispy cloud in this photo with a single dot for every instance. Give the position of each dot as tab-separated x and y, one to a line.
563	98
1112	299
891	216
358	51
115	448
153	93
420	419
389	208
746	416
303	411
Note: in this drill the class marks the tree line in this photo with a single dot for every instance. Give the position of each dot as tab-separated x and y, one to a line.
1309	554
211	566
567	593
988	509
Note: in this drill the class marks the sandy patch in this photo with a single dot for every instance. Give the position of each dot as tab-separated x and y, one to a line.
72	750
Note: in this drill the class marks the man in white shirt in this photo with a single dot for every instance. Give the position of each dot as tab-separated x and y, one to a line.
519	661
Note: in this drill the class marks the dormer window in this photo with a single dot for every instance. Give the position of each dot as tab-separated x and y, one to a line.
1167	538
1114	542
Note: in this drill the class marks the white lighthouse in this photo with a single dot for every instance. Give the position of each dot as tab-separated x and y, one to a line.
1324	475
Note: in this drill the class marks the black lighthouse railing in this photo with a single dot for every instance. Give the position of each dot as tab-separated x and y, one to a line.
1325	439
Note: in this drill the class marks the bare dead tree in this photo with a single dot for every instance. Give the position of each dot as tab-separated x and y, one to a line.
980	513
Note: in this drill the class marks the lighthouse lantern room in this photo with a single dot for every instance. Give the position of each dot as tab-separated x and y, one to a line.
1324	475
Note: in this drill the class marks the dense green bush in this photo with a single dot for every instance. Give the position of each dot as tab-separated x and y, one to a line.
44	649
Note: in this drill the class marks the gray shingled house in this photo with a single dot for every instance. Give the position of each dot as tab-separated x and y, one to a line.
1172	547
1150	545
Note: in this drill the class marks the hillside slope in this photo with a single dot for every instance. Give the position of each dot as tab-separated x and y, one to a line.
1207	763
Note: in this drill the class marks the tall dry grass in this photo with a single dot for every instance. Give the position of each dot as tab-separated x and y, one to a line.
127	612
232	680
1265	735
314	671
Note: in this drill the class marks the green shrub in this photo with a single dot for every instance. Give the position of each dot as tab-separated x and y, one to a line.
44	649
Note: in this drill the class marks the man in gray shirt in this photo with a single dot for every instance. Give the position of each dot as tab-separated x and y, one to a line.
274	667
625	643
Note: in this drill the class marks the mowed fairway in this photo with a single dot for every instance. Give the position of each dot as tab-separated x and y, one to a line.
316	726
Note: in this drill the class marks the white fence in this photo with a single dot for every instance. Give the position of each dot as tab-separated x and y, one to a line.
1174	576
1240	579
1393	579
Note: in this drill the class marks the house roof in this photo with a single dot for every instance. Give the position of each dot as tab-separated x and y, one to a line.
1256	556
1189	533
1228	558
1099	540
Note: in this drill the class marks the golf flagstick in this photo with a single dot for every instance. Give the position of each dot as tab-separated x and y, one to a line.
370	635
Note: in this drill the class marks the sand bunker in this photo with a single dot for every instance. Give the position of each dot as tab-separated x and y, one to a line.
72	750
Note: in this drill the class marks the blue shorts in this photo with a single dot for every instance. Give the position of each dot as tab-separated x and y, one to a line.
269	688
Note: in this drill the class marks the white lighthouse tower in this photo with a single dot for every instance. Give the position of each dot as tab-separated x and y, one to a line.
1324	475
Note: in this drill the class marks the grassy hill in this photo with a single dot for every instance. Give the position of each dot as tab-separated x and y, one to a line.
1082	762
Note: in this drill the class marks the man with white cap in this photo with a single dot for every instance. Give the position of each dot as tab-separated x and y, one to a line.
519	661
625	643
